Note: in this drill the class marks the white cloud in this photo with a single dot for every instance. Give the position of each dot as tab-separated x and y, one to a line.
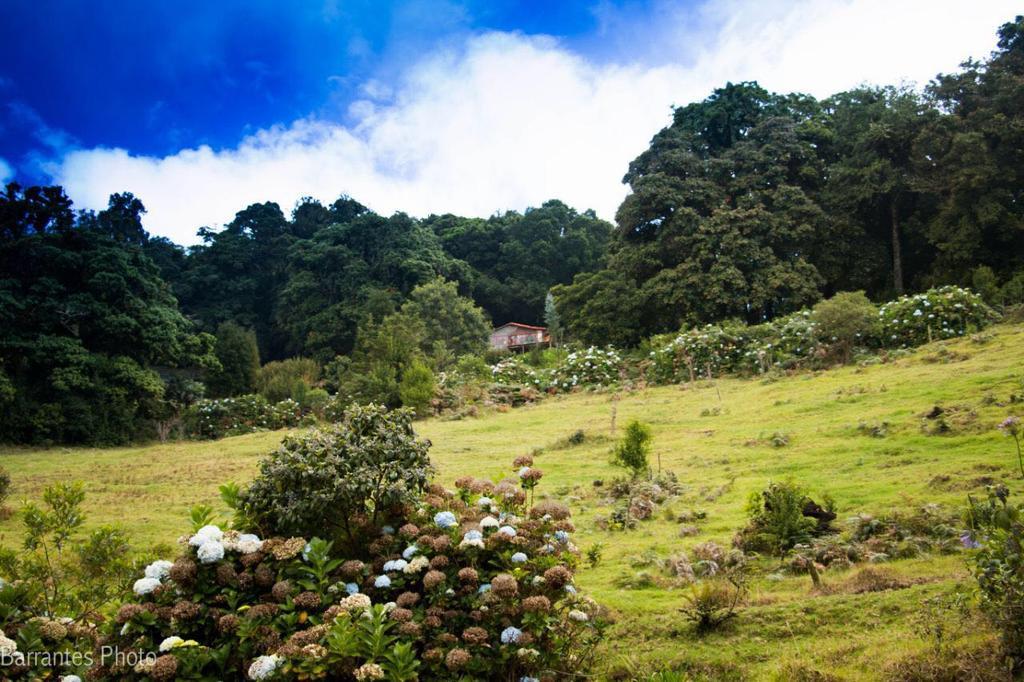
506	121
6	172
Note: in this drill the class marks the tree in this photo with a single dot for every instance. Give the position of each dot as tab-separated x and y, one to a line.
721	216
600	308
447	318
516	258
872	188
972	160
239	359
632	451
552	319
416	389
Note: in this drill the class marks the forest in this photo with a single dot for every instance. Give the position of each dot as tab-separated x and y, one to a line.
749	206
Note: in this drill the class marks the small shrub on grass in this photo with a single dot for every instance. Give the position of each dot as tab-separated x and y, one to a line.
54	592
846	320
632	451
997	538
713	602
416	389
777	520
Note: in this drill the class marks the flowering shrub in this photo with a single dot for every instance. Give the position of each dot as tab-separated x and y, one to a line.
695	352
513	371
474	584
997	536
242	414
591	367
941	313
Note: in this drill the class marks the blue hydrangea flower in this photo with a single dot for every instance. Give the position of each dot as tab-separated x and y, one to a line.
485	502
507	530
486	587
519	558
523	471
445	519
511	635
527	678
410	552
570	589
382	581
562	536
387	530
351	588
473	535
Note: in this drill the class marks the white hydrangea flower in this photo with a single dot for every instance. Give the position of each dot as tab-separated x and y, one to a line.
578	616
159	569
264	666
417	564
145	586
210	552
204	534
170	643
7	646
489	522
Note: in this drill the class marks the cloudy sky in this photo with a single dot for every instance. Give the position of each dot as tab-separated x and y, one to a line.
200	108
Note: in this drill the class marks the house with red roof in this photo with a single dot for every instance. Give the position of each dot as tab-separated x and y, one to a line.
517	337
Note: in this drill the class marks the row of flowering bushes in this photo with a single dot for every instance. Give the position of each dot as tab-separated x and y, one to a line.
590	367
248	413
942	313
411	581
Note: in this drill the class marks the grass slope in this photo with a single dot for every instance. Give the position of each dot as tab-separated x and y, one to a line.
786	630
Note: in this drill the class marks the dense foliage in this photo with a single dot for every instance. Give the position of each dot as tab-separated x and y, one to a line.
354	477
754	204
89	333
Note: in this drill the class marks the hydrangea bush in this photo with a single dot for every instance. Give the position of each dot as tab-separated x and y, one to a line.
474	583
942	313
590	367
695	352
513	371
241	414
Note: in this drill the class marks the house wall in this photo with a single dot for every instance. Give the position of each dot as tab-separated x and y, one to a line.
515	336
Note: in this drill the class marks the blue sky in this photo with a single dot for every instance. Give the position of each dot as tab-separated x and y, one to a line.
203	107
154	77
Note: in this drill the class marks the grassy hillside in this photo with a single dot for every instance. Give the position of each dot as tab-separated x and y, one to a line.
785	629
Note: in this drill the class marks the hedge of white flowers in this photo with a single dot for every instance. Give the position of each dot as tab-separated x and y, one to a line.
591	367
942	313
514	371
241	414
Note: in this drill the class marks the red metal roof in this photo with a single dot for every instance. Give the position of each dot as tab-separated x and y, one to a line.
521	325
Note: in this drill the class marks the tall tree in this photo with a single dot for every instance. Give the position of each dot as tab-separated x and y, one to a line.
239	358
871	185
722	214
972	160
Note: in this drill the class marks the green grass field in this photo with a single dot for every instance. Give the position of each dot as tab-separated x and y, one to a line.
785	630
